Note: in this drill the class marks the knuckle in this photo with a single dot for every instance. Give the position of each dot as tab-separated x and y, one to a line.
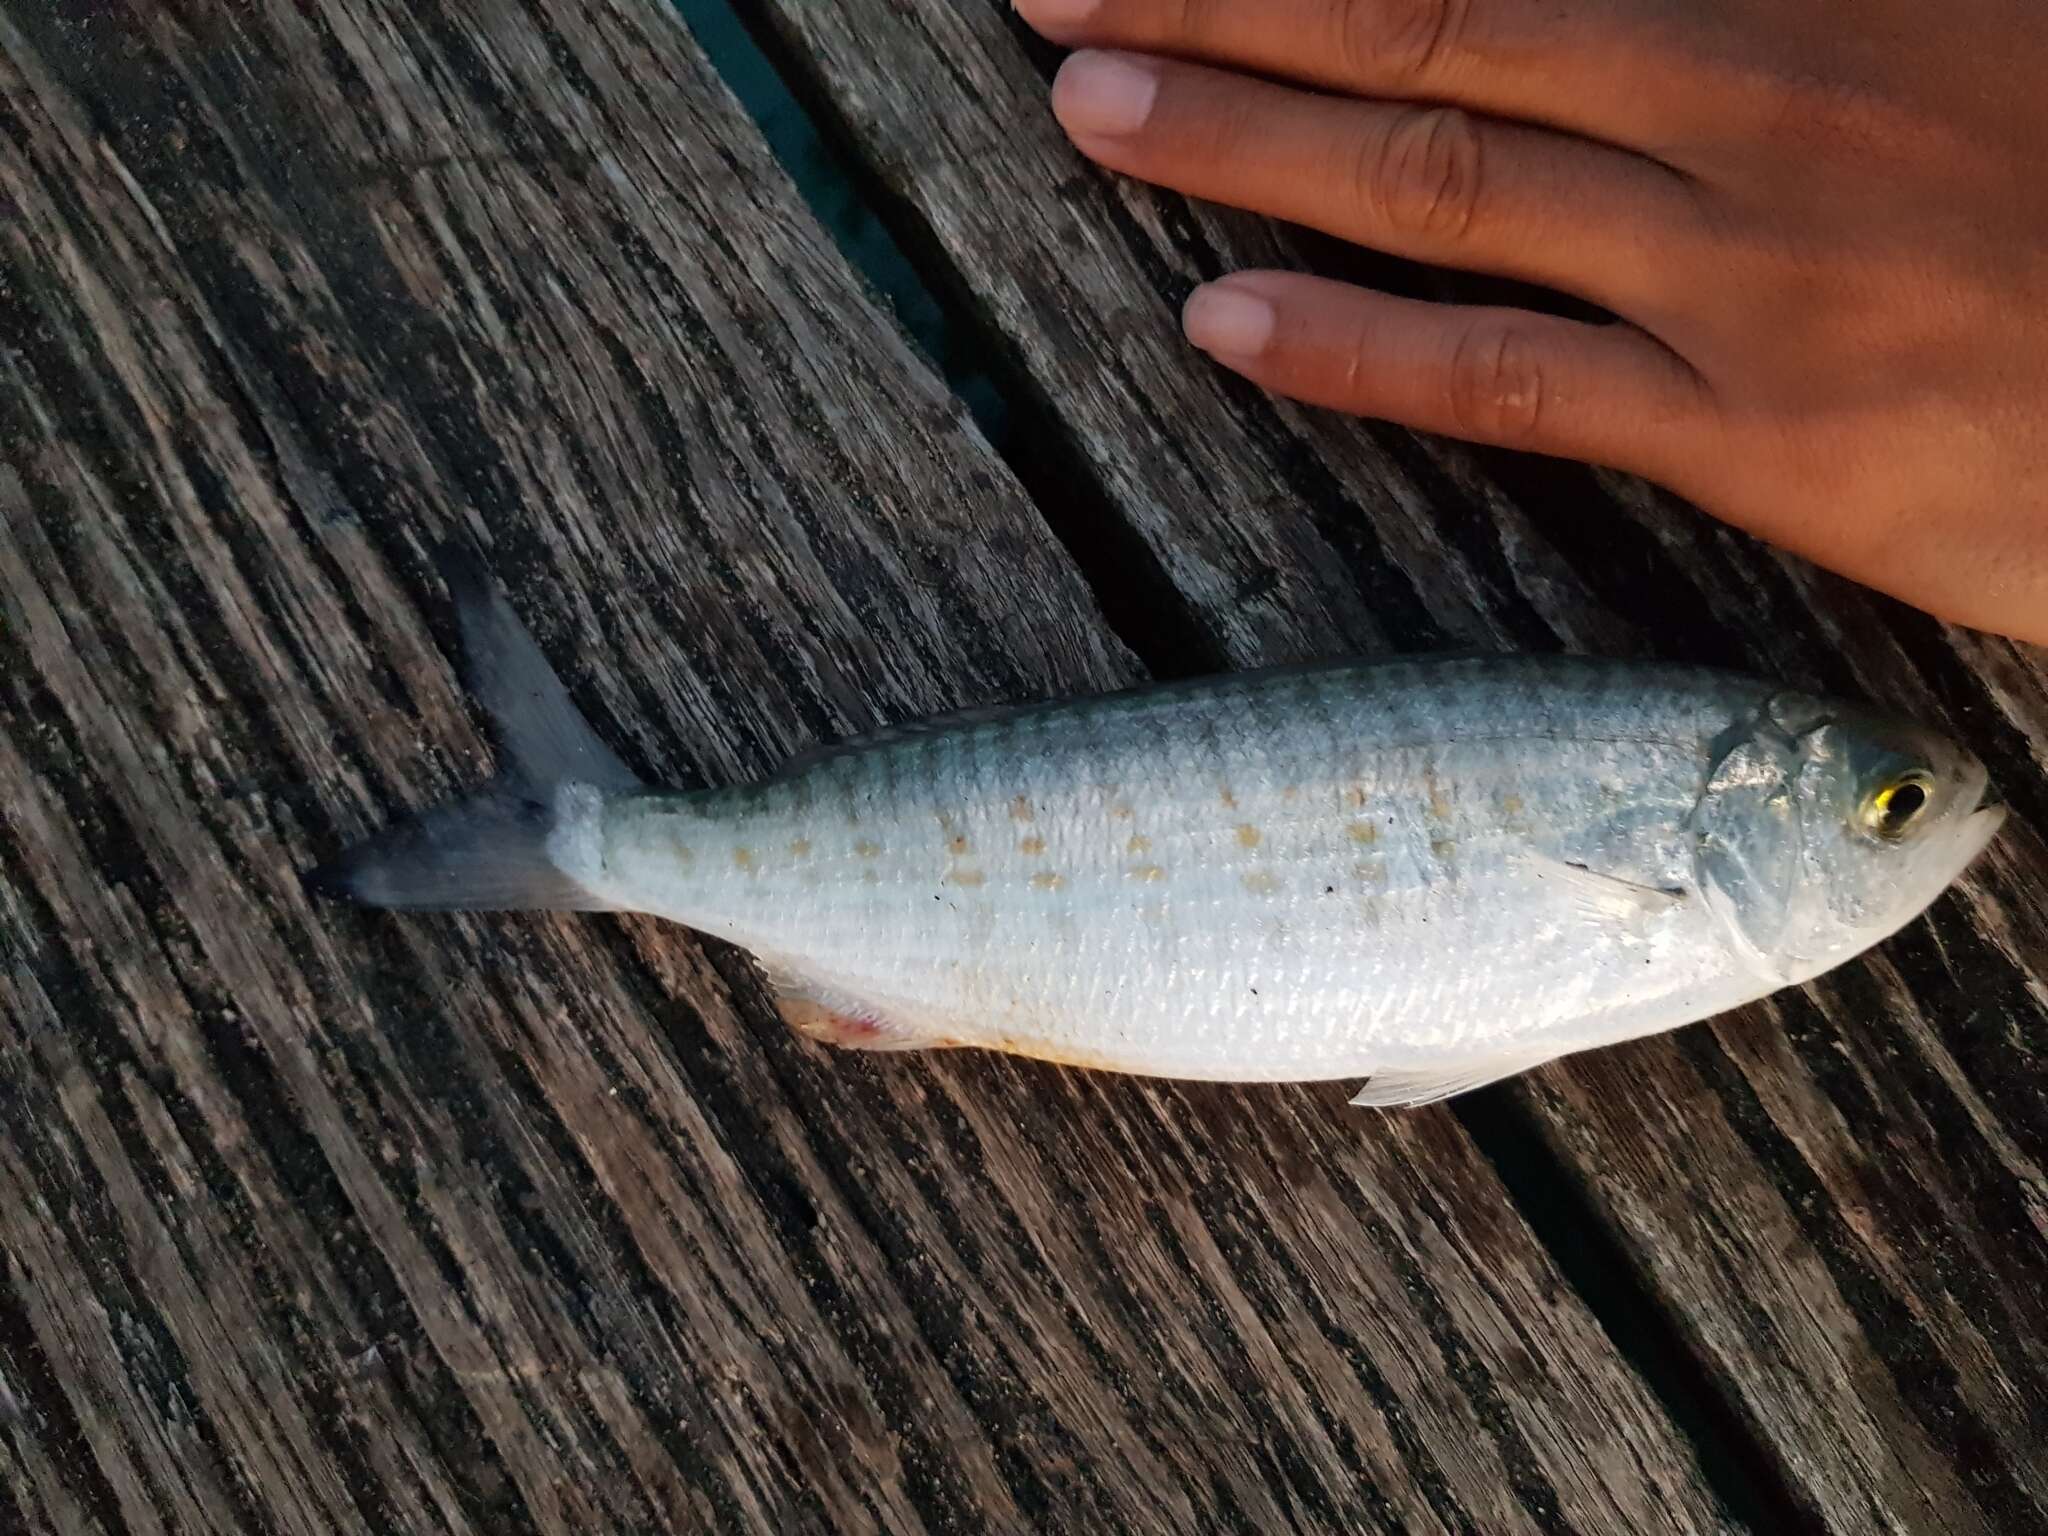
1495	387
1398	41
1423	177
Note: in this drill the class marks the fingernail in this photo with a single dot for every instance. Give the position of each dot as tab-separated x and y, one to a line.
1056	13
1228	321
1104	93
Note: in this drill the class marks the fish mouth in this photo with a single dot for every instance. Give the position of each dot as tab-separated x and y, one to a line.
1982	824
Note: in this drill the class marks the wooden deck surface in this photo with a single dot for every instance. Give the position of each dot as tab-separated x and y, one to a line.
321	1221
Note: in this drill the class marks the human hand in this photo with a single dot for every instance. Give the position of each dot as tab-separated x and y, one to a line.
1824	233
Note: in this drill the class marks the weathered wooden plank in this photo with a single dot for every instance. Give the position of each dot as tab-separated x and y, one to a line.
329	1222
1843	1195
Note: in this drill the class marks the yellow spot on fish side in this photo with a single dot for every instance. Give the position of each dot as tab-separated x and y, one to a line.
800	848
1259	883
1033	845
1248	835
1362	832
1443	847
870	877
1355	797
684	853
1020	809
867	848
1121	811
1291	792
1139	844
1151	874
743	858
1046	880
1229	800
966	877
1511	805
1439	802
960	845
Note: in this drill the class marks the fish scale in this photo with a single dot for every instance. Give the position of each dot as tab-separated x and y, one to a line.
1428	872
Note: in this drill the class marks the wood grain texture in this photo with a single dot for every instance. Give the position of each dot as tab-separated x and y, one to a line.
321	1221
1843	1196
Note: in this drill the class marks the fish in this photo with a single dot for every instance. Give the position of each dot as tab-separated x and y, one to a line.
1424	873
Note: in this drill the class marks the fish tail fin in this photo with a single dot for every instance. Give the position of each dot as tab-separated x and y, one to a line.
530	839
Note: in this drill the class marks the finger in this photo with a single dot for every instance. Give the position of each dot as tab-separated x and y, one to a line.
1432	183
1617	70
1607	394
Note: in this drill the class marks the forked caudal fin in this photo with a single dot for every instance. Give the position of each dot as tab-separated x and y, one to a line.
514	844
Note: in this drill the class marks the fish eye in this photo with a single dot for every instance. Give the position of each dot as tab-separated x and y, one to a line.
1895	805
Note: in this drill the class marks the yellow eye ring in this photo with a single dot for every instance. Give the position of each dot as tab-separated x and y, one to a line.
1893	807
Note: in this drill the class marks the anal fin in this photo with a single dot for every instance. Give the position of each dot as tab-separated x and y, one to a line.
1409	1087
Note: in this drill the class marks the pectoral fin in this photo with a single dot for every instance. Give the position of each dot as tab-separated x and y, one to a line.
1608	896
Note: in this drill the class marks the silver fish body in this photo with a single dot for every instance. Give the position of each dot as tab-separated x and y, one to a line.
1430	873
